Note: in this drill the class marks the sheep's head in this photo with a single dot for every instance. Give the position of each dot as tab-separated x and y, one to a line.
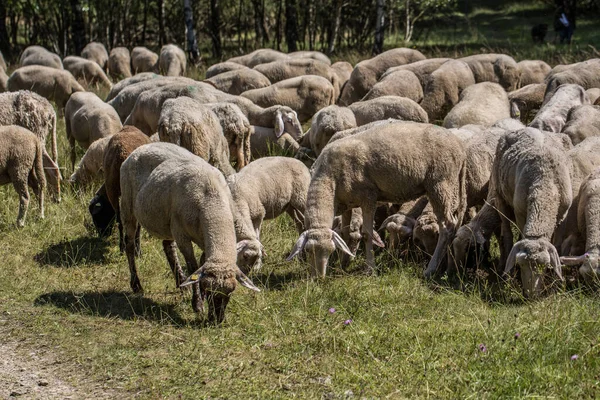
249	255
400	228
426	232
318	245
286	120
533	256
465	241
590	266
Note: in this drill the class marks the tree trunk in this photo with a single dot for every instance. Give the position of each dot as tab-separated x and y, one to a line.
333	33
77	27
408	24
4	40
162	36
215	24
291	25
145	22
379	28
278	25
190	32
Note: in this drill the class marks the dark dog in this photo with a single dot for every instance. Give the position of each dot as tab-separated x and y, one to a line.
538	33
103	215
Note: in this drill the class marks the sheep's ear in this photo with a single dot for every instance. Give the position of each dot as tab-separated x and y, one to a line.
299	246
279	126
512	259
245	281
572	261
340	244
377	241
193	278
240	245
555	261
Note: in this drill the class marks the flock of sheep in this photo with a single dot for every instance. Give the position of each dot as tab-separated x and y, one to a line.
182	158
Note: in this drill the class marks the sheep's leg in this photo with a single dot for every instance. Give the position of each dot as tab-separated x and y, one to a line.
296	217
138	248
346	218
170	249
185	246
38	190
72	145
367	230
20	186
130	246
239	151
505	233
443	209
120	225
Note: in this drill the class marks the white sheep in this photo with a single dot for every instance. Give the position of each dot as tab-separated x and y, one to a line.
483	104
90	165
553	114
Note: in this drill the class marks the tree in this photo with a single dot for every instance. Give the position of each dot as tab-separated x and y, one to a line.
379	28
190	32
4	40
416	9
78	27
215	26
291	25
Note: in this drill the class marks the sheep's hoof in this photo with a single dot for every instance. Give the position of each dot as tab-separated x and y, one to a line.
20	224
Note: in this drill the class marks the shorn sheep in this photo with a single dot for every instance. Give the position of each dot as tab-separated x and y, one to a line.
119	63
89	167
552	117
178	197
482	104
97	53
367	167
172	61
85	70
21	164
37	55
143	60
582	122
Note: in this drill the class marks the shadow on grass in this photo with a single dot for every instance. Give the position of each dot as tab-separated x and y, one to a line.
277	280
112	304
74	253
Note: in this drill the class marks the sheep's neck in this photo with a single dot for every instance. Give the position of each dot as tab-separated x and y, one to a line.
320	203
260	116
244	229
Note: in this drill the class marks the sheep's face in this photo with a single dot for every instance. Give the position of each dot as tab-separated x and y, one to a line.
216	289
288	119
249	255
318	245
464	247
426	232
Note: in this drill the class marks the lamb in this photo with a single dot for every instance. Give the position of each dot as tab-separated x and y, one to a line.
305	95
367	72
90	168
87	119
221	68
172	61
385	107
498	68
443	87
143	60
121	85
53	84
582	122
526	100
553	114
264	142
196	128
532	72
179	197
585	74
37	55
86	70
326	123
483	103
21	164
531	184
97	53
35	113
346	175
260	56
263	190
593	94
314	55
119	63
401	83
238	81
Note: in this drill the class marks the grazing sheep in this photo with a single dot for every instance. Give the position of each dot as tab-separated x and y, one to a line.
21	164
88	71
172	61
553	114
443	87
346	175
264	142
90	168
196	128
531	185
37	55
118	147
498	68
180	198
343	69
238	81
220	68
526	100
35	113
385	107
400	226
121	85
3	81
119	63
593	94
483	104
260	56
97	53
532	71
314	55
401	83
421	68
87	119
582	122
53	84
305	94
585	74
237	131
326	123
143	60
367	72
263	190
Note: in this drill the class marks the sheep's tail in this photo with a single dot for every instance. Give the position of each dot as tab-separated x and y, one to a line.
462	194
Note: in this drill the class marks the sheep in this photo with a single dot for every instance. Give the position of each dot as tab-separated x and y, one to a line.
260	56
593	94
385	107
264	142
508	124
87	119
196	128
583	121
343	69
172	61
237	131
526	100
143	60
90	166
314	55
553	114
119	63
37	55
326	123
400	226
32	111
21	164
53	84
597	102
238	81
531	184
118	147
532	71
3	81
305	94
401	83
86	70
121	85
97	53
585	74
443	87
498	68
483	103
220	68
2	62
263	190
406	166
179	197
421	68
367	72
